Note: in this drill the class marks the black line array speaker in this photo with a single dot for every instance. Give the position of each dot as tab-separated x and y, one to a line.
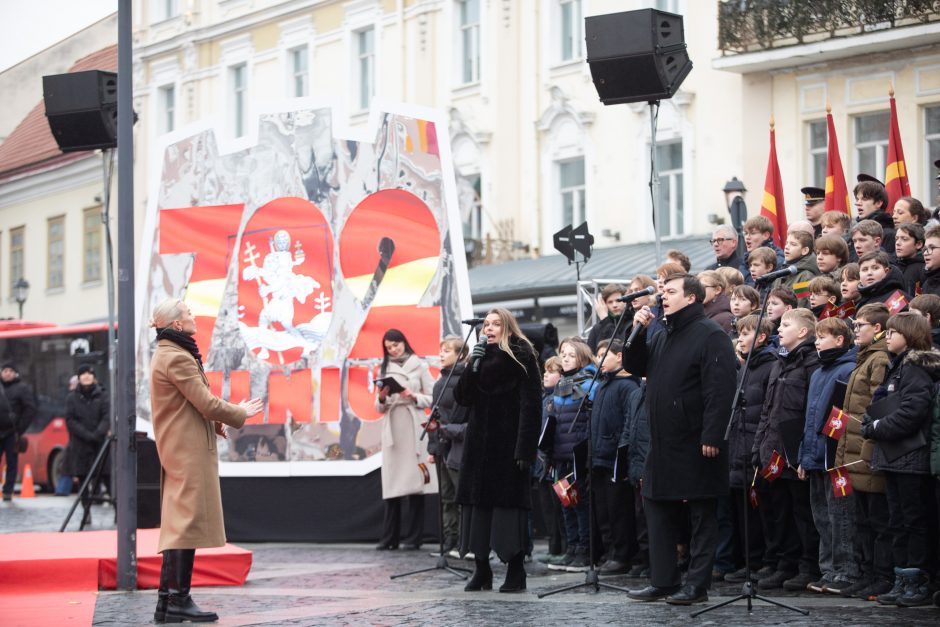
636	56
81	108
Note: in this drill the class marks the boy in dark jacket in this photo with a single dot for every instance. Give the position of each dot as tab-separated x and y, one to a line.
551	508
901	433
817	451
879	280
446	445
742	440
781	429
613	499
636	439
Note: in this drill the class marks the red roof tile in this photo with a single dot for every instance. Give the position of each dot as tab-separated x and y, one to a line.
31	143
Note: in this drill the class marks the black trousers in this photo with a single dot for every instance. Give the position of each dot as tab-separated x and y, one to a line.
11	456
414	520
872	540
664	523
908	499
642	537
794	529
613	513
742	511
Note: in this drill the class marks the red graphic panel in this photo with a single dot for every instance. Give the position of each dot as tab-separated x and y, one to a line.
329	395
285	280
421	325
292	393
361	398
215	378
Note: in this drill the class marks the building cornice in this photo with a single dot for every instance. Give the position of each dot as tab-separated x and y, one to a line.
55	179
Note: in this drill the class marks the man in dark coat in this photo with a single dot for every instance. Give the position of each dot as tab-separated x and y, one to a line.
87	417
689	397
17	410
724	242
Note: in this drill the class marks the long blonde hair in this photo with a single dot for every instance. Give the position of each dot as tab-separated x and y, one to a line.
510	328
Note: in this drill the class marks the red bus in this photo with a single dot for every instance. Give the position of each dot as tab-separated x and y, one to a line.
46	356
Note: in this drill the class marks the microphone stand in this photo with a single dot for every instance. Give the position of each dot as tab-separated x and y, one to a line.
591	576
442	563
749	589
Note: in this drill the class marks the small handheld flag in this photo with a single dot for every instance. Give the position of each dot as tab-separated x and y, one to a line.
801	289
841	485
752	495
774	468
836	424
896	303
843	311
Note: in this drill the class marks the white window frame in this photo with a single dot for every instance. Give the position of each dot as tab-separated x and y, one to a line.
164	10
54	259
577	34
930	172
92	241
812	152
236	52
239	98
881	146
297	34
578	192
362	101
295	74
167	108
669	177
475	53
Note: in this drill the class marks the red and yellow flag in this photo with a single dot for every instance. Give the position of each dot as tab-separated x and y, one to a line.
837	193
843	311
774	468
896	183
841	484
896	303
771	206
836	424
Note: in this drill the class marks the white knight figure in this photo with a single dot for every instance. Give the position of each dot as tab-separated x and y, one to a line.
278	286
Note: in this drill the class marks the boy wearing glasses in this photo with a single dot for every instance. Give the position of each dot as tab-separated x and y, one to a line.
930	280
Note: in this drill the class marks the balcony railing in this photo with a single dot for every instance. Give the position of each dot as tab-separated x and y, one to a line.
752	25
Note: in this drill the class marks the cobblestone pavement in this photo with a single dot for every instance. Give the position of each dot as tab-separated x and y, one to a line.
310	584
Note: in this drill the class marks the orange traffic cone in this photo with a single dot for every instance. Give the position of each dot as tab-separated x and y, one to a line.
3	474
27	489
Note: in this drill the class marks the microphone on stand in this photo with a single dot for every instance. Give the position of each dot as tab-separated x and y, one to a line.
473	321
634	295
773	276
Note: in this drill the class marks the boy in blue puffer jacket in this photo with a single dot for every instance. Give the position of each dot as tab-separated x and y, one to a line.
834	517
613	499
578	368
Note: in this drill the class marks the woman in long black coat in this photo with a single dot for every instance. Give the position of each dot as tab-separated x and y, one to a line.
87	419
502	386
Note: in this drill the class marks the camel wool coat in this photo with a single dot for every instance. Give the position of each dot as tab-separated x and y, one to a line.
401	449
183	411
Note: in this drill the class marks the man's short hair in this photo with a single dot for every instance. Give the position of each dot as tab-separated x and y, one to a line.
691	286
785	295
872	191
916	231
748	293
870	228
824	285
679	257
834	245
802	317
726	231
835	218
759	223
749	323
612	288
616	346
805	239
928	304
764	255
835	327
878	256
874	313
850	272
732	276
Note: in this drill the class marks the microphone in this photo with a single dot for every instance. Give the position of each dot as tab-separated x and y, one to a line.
476	363
633	334
473	321
773	276
633	296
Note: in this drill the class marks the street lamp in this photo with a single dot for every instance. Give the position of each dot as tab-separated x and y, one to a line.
734	196
21	293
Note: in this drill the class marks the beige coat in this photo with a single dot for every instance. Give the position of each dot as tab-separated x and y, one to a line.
183	411
401	450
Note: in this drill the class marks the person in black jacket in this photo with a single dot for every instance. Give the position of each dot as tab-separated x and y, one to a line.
613	504
615	309
636	438
879	280
502	388
741	440
908	243
780	429
871	202
689	395
446	444
17	410
930	279
88	420
902	453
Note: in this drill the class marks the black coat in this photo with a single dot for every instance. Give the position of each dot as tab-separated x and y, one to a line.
689	395
732	261
882	290
636	434
17	413
609	414
913	377
911	268
887	226
741	439
505	401
783	414
930	282
447	441
605	328
87	418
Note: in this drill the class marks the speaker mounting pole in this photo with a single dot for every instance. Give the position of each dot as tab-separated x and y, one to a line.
654	178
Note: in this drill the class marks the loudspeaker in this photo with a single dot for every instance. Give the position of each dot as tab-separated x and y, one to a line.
82	109
148	483
636	56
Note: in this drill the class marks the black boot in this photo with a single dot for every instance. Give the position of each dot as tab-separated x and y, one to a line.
180	606
917	590
515	575
159	614
891	596
482	576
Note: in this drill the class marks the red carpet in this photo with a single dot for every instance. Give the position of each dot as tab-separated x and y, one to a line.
52	578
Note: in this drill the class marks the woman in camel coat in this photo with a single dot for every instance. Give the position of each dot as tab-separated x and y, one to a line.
187	418
402	451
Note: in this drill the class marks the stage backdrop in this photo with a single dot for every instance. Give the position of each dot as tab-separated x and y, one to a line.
297	248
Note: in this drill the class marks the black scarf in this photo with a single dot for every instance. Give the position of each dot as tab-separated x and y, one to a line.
830	355
183	340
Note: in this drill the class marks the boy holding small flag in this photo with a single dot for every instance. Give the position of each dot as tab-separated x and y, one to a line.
799	252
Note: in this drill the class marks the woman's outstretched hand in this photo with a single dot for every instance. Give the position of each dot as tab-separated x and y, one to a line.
252	406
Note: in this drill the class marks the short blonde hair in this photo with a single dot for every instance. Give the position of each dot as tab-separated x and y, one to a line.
166	313
732	276
553	364
803	318
456	344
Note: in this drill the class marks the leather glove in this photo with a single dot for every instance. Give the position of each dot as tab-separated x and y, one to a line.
523	464
868	429
755	459
478	352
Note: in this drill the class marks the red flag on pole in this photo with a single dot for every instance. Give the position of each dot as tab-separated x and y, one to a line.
771	206
896	183
841	485
837	193
836	424
752	495
774	467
